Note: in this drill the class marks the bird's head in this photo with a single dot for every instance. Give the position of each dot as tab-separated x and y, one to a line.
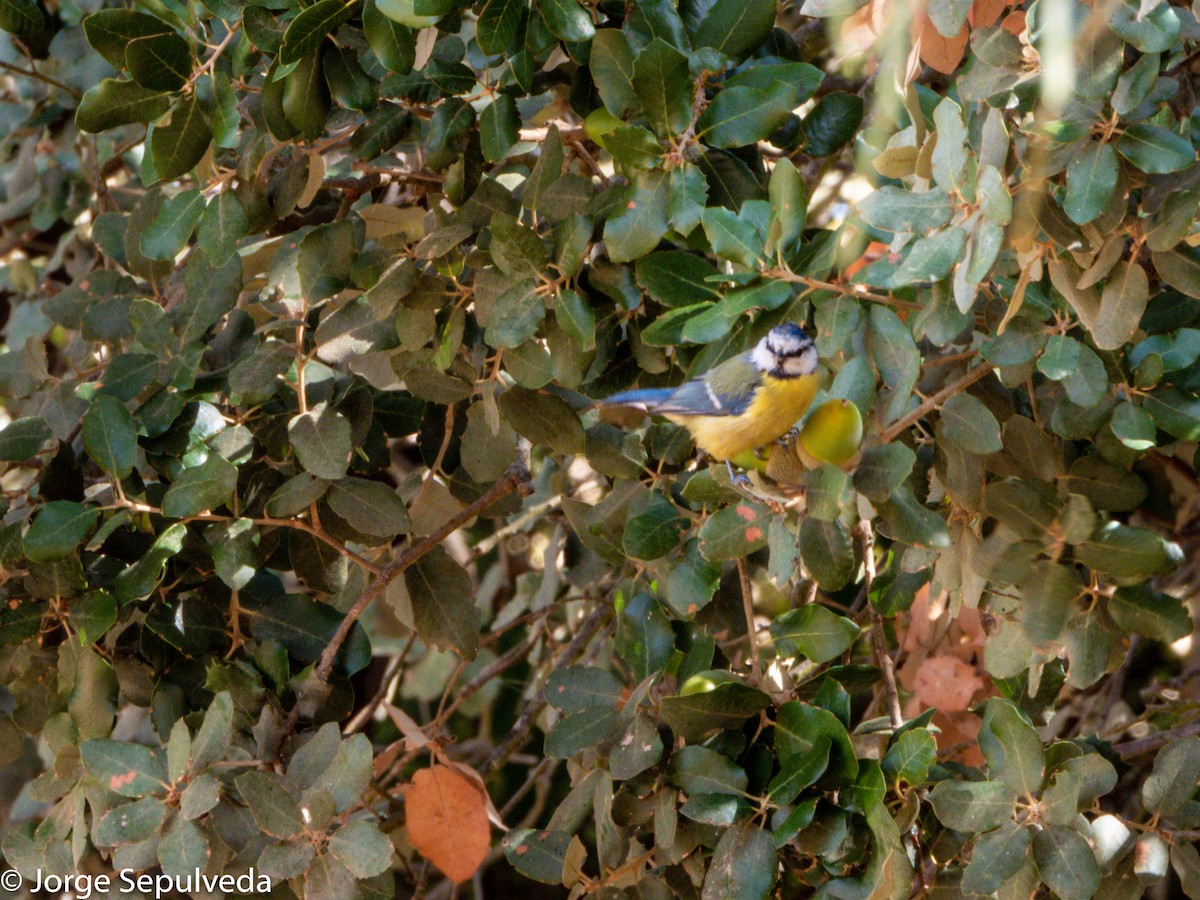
786	352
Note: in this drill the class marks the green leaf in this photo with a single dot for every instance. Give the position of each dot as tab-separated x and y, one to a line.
832	123
200	488
1141	610
567	20
734	28
642	220
644	638
321	439
734	532
547	420
109	436
324	260
443	607
798	729
21	17
497	24
675	278
663	86
579	688
968	424
744	865
1065	862
699	770
58	529
499	126
910	757
348	83
996	857
726	706
1012	748
130	770
141	578
1172	782
732	237
1127	551
814	632
827	551
109	31
179	145
1180	268
882	470
273	808
1155	150
1151	28
515	316
362	848
112	103
306	32
304	627
92	615
972	806
580	731
653	528
639	748
159	62
540	855
369	506
895	209
183	850
738	116
789	207
611	62
172	226
1091	180
130	822
21	439
799	771
393	44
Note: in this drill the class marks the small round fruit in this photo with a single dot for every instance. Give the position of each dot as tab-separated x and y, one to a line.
833	432
703	682
599	123
402	11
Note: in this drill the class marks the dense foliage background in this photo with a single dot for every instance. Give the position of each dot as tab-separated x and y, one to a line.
316	554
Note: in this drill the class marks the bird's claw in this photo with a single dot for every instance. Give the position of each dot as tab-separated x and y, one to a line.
788	437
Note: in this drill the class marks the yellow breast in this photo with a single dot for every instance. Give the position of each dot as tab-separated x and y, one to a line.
777	405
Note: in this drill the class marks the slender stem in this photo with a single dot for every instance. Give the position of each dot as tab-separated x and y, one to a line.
878	638
1154	741
748	611
520	731
515	478
849	290
38	76
897	428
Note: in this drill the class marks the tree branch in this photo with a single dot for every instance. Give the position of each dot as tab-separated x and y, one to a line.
515	478
897	428
1151	742
878	638
38	76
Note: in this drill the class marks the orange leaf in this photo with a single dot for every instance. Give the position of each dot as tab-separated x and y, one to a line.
941	53
1014	22
947	683
447	821
984	13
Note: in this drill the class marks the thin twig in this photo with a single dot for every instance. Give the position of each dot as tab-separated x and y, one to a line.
878	638
38	76
748	611
1154	741
515	478
520	731
897	428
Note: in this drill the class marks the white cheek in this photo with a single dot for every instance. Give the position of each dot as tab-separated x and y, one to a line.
763	359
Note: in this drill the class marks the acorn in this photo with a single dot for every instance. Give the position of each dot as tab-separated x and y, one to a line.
833	432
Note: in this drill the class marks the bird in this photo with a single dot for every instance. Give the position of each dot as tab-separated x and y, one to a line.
744	403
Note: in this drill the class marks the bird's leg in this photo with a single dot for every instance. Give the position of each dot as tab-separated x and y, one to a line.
788	437
740	479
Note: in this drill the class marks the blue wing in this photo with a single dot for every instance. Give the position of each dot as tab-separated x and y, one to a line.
726	390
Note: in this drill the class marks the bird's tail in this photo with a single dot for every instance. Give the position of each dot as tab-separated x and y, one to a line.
646	398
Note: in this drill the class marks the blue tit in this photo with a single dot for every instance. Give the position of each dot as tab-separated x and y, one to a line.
745	402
